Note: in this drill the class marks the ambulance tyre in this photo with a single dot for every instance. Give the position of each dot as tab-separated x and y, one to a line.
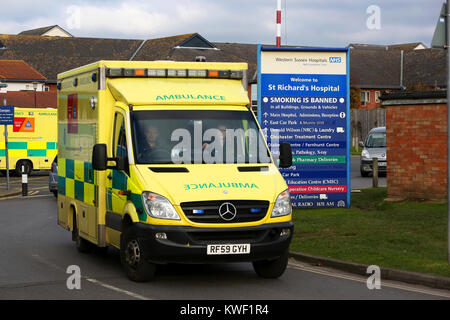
271	269
26	165
132	255
82	244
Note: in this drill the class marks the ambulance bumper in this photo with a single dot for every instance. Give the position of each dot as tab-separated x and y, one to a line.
174	244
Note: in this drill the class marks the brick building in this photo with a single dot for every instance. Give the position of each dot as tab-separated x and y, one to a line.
395	68
416	139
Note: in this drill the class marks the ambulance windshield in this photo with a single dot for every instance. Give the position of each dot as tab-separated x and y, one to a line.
196	137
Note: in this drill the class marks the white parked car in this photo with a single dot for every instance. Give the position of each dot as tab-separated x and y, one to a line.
374	147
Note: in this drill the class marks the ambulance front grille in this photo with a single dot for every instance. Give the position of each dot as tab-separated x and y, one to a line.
208	211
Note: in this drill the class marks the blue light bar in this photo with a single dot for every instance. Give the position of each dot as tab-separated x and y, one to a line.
255	210
198	211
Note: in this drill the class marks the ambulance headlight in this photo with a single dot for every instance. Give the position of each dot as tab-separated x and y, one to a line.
282	206
159	207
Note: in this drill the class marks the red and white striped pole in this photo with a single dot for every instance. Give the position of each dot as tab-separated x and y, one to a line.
278	23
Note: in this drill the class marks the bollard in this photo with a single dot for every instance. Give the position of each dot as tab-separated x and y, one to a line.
375	172
24	182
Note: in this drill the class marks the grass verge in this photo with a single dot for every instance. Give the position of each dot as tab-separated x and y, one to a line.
408	236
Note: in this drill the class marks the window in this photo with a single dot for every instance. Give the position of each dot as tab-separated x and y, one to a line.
197	136
120	139
377	96
376	140
365	97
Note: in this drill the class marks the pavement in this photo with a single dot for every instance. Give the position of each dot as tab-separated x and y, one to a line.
37	184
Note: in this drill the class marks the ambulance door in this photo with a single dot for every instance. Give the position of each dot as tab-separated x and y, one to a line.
117	180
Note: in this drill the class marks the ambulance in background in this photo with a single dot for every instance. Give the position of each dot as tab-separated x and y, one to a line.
32	140
137	169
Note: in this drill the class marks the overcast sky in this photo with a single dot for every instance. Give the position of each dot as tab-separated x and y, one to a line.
305	22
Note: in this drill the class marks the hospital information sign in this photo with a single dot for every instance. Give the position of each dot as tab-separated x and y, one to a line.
303	97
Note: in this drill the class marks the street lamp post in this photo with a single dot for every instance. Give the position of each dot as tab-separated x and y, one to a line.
35	84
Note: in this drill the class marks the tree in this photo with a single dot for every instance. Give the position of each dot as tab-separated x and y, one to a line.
355	97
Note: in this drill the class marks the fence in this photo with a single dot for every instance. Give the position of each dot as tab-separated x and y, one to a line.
361	121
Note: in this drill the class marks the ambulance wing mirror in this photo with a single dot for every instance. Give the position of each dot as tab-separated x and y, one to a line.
99	158
285	155
121	163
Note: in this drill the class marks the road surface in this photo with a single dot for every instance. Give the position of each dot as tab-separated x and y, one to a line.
36	254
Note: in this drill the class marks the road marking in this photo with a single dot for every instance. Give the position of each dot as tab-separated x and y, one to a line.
129	293
31	196
384	283
92	280
40	188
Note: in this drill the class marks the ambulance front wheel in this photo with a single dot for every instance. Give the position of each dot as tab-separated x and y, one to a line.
27	167
132	257
271	269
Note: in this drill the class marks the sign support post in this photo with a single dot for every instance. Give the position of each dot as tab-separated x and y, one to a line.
6	156
6	118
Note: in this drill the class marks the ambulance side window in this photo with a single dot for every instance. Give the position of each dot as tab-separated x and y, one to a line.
120	139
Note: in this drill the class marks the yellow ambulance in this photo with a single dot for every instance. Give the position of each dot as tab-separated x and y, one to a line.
165	161
32	140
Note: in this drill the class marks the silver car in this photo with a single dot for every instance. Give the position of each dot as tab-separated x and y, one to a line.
374	147
53	177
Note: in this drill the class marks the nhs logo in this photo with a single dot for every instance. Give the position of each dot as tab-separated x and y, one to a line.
335	60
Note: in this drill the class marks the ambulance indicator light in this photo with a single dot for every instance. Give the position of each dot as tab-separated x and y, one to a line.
213	73
140	72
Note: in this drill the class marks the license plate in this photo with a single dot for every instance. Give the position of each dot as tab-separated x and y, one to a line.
228	248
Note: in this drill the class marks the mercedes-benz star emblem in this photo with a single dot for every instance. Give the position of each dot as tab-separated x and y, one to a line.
227	211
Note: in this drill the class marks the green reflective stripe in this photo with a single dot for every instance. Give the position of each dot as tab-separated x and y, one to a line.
81	186
136	199
70	169
17	145
36	153
51	145
62	185
119	181
79	190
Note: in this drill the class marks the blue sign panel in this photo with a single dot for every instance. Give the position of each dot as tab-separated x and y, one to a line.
6	115
303	97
